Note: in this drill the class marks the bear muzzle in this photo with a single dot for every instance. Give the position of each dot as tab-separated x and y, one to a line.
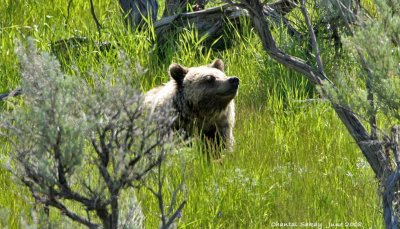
234	81
230	89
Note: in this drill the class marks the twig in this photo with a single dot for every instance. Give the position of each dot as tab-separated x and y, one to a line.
177	212
57	204
68	11
312	37
12	93
95	18
50	201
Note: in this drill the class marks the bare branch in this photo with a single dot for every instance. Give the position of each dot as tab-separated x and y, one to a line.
389	215
175	215
395	144
312	37
95	17
174	197
13	93
57	204
160	195
57	156
370	95
284	7
68	11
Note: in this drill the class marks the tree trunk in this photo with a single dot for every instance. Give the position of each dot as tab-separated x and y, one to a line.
104	217
176	6
137	12
210	23
114	211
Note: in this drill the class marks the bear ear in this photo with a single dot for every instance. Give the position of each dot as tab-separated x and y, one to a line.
177	72
218	64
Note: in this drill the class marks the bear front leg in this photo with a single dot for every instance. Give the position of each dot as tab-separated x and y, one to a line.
226	134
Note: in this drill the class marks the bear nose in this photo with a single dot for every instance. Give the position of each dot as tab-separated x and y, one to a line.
234	80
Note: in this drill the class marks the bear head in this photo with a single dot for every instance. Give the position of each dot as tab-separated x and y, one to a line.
206	89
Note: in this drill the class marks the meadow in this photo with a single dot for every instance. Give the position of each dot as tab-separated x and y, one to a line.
293	162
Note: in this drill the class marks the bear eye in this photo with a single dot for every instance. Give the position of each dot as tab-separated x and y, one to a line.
210	78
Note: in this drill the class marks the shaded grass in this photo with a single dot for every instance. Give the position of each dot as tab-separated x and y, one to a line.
293	162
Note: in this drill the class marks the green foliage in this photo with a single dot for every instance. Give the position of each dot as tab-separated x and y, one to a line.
49	109
74	144
293	160
337	9
378	42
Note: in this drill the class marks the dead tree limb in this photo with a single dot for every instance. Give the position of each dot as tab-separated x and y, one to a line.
211	22
181	6
372	149
283	7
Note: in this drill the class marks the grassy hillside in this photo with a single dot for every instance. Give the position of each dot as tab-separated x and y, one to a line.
294	162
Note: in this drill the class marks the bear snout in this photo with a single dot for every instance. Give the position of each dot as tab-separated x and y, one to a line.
234	81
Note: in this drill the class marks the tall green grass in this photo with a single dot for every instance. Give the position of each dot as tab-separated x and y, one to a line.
293	163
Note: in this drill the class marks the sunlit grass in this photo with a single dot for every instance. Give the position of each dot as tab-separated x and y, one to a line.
293	161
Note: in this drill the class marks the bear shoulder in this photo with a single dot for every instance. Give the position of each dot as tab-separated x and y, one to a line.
160	96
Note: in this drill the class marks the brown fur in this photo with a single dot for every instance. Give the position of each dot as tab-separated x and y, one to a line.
202	98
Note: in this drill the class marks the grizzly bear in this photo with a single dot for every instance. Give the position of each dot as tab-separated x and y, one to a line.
202	99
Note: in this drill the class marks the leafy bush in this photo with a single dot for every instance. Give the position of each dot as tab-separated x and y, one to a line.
78	143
